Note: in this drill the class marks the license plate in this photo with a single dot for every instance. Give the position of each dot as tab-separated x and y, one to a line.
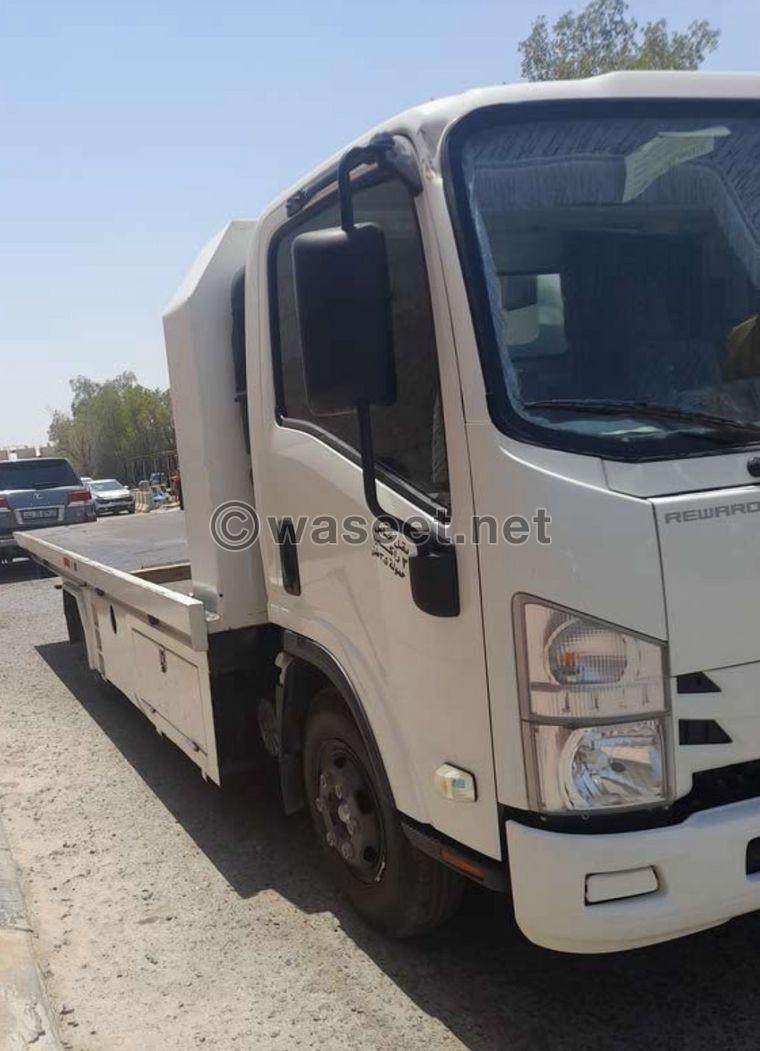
40	512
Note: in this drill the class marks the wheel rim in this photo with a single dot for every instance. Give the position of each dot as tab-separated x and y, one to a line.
347	805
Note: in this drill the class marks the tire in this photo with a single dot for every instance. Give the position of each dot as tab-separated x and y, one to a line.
395	887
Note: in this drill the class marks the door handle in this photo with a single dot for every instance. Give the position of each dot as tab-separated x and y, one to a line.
286	540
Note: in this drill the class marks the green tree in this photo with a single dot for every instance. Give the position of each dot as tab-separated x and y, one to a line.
602	37
112	422
73	440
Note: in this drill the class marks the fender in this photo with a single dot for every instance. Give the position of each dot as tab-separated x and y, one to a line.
305	665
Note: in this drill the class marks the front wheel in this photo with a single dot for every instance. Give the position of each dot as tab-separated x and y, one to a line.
392	885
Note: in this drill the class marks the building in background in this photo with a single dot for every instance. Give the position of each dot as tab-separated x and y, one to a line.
25	452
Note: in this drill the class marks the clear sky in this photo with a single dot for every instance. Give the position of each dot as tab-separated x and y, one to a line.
131	131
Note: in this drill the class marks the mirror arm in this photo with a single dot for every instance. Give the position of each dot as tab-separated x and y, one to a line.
379	150
386	151
396	153
376	152
433	570
350	160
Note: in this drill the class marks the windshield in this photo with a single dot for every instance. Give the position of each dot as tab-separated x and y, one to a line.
618	265
39	474
104	484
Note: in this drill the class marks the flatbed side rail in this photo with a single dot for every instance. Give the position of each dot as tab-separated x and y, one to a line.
159	605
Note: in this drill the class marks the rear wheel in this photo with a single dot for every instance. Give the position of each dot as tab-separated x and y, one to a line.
392	885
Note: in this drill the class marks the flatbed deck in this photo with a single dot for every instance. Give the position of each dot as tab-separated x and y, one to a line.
138	564
125	542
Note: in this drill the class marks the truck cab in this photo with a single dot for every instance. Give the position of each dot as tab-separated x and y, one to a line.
493	491
573	300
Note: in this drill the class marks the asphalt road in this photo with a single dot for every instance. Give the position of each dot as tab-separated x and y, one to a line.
170	915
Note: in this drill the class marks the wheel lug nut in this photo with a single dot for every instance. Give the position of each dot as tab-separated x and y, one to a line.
330	839
347	851
323	782
338	791
352	826
320	806
344	813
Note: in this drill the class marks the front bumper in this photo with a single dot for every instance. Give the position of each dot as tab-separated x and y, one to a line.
701	873
111	506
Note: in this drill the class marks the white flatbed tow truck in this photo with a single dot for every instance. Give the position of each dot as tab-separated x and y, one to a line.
468	423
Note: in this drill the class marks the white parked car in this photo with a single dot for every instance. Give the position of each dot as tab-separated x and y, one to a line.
111	496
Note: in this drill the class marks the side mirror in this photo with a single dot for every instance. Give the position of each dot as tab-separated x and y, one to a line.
342	295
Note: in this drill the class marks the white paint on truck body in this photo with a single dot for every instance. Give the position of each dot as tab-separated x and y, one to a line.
215	466
439	691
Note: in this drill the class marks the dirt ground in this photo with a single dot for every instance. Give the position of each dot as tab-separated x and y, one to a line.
171	915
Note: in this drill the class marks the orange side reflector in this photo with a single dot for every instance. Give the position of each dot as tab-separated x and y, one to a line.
465	865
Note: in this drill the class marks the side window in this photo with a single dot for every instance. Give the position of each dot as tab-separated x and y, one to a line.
409	435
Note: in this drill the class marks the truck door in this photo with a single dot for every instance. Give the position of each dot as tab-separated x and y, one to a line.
420	678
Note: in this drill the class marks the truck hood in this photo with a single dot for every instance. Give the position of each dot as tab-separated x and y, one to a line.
710	550
669	477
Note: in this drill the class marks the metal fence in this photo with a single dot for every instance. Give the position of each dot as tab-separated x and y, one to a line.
140	468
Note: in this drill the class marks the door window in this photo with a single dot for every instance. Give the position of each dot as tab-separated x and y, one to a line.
408	435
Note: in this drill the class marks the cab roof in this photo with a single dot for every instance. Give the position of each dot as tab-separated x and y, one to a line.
426	123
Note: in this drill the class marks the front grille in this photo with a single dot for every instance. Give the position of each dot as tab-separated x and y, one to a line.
700	732
728	784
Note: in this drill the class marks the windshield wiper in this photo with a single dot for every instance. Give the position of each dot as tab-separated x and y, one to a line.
642	408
